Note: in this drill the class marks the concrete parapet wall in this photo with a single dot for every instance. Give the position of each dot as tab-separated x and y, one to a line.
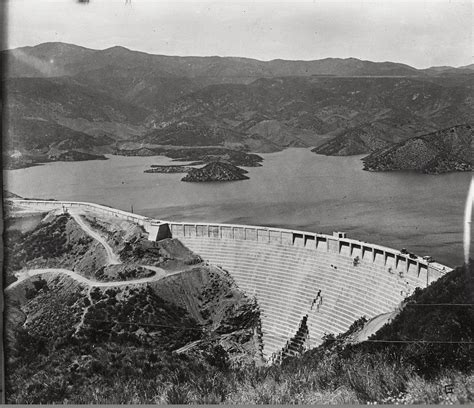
97	208
378	254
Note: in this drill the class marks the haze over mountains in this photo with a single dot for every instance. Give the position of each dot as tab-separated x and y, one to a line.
63	97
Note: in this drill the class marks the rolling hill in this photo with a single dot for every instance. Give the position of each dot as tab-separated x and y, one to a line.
359	140
347	106
439	152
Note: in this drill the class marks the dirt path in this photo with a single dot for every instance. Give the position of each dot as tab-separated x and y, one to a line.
84	312
112	258
159	272
24	275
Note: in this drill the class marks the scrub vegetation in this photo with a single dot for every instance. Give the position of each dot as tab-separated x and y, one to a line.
132	363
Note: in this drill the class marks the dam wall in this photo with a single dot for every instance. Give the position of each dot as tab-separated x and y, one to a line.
155	228
285	269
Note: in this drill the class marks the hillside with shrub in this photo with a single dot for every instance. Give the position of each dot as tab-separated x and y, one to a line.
438	152
193	338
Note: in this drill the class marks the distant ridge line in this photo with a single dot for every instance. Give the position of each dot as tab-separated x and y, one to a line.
236	57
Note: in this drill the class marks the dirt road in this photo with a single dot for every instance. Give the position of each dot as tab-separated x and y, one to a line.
112	258
24	275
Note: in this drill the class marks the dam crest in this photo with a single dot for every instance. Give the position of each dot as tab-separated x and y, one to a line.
306	284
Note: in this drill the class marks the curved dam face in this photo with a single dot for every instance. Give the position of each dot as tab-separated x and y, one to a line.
302	280
324	282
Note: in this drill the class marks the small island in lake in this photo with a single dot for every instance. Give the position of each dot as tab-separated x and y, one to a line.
216	171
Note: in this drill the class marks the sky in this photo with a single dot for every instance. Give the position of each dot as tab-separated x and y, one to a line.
421	33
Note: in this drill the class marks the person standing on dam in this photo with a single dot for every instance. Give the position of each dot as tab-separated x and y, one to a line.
318	296
319	303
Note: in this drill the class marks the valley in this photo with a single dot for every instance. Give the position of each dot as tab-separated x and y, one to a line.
96	102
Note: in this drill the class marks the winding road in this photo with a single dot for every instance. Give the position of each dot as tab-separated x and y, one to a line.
24	275
112	259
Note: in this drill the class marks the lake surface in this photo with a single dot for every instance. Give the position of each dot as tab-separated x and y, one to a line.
294	188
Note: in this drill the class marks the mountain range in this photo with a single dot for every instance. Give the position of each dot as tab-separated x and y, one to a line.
63	96
61	59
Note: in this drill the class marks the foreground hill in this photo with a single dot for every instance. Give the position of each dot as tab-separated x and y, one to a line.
439	152
78	326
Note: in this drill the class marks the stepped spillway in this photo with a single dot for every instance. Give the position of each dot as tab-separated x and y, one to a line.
286	269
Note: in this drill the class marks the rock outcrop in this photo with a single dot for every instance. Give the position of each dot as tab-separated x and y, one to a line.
216	171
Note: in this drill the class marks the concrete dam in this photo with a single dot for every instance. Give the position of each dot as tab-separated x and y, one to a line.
303	282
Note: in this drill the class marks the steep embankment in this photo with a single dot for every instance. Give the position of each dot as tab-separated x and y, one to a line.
439	152
440	316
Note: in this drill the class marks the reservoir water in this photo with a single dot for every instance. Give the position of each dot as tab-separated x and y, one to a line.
294	189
